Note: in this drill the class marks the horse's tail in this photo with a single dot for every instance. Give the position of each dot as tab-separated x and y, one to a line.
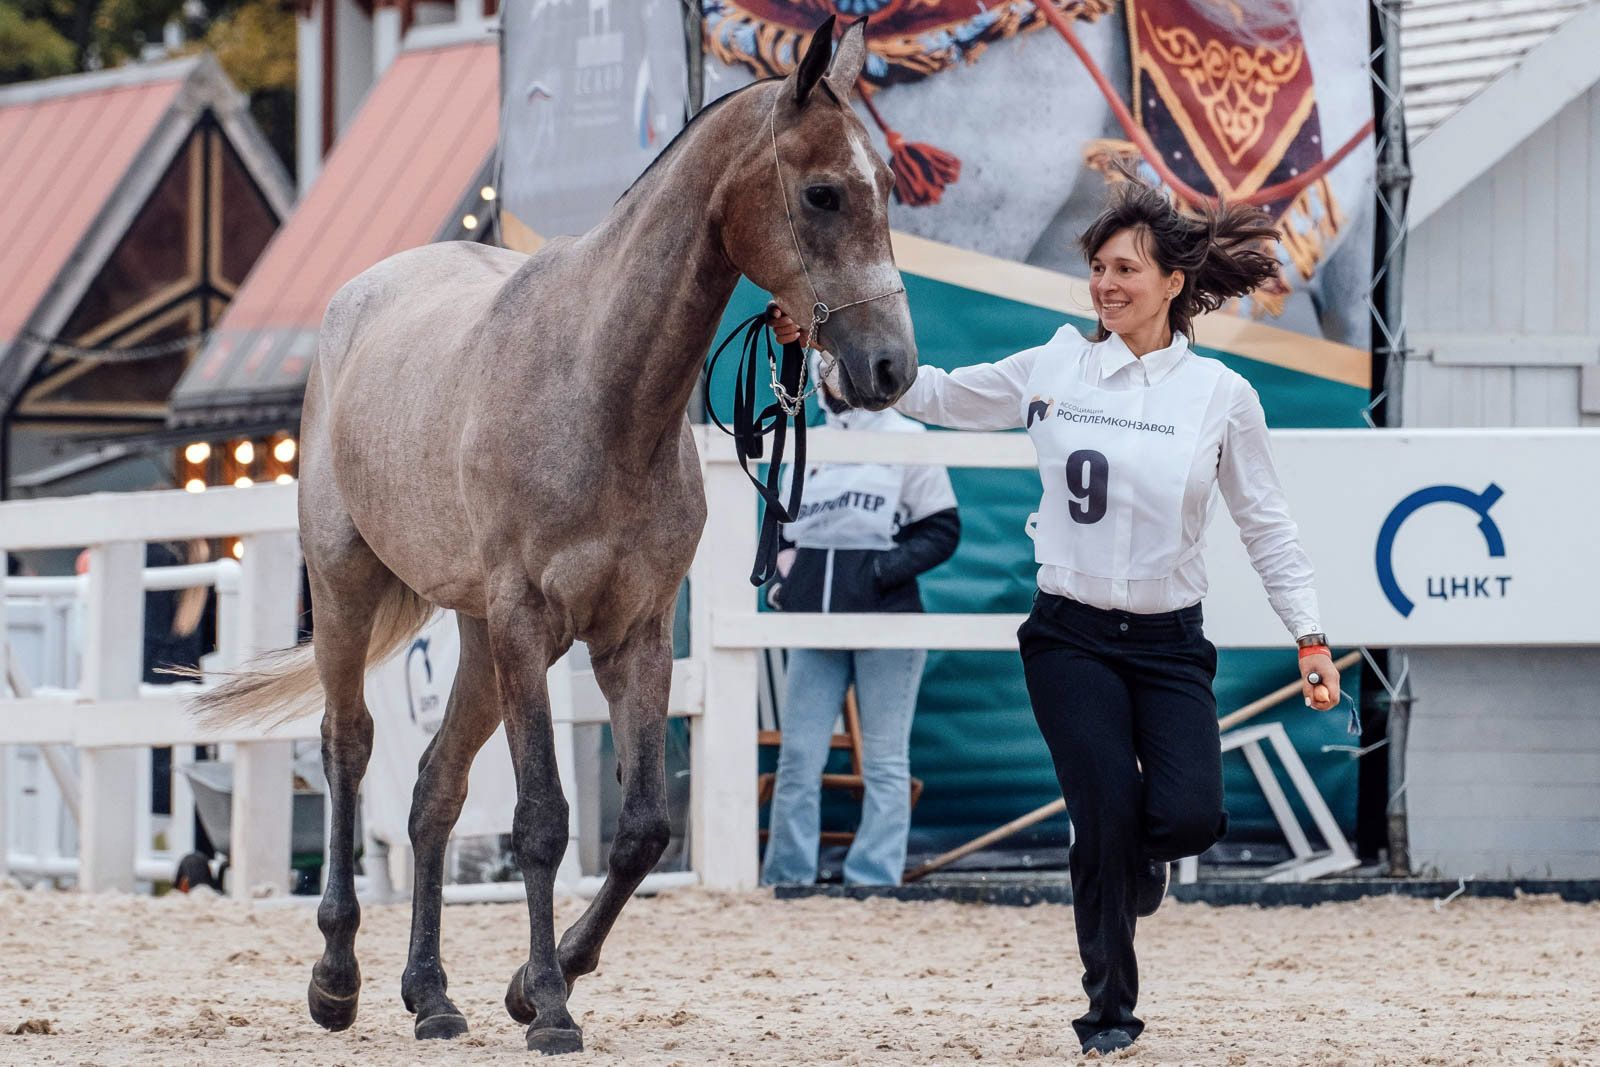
282	685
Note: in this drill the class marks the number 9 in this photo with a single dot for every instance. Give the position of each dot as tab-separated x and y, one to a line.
1087	475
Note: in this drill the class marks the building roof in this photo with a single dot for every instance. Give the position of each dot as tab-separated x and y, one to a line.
1451	50
1481	76
398	178
64	146
79	155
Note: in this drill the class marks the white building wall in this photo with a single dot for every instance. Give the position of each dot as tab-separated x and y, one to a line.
1503	287
1503	315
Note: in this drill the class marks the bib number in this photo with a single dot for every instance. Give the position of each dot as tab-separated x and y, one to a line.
1088	473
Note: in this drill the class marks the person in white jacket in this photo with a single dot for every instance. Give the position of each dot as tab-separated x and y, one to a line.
1135	434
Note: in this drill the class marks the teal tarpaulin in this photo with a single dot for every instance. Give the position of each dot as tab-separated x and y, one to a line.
974	743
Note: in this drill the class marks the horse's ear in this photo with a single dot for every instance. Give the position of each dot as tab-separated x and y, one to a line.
848	59
815	63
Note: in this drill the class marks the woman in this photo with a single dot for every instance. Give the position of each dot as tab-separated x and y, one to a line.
864	532
1135	433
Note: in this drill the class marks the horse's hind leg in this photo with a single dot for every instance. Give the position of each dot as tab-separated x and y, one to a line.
524	645
471	718
347	585
636	679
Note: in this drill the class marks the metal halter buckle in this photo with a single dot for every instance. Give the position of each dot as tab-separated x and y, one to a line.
820	313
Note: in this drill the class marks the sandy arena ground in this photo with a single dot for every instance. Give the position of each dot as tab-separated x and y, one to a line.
698	978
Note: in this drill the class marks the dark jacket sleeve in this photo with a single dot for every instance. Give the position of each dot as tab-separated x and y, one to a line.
919	546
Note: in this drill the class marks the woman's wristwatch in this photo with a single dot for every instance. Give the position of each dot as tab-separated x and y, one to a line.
1313	644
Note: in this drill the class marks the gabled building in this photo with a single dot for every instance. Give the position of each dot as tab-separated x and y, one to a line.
136	202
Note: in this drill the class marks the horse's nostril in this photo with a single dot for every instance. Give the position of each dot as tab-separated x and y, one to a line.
884	376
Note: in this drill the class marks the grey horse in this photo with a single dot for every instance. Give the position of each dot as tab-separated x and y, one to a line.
505	436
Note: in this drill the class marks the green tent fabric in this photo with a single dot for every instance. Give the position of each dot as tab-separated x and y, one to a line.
974	743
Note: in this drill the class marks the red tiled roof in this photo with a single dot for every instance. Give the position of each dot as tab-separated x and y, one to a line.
61	157
391	183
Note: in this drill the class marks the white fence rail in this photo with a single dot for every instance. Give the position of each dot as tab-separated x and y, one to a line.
109	719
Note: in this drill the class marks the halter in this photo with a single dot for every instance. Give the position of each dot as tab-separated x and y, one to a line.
789	389
820	311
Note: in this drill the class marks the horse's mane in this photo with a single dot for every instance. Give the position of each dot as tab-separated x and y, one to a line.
672	144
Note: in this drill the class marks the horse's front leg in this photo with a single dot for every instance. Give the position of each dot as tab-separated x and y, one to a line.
523	645
636	679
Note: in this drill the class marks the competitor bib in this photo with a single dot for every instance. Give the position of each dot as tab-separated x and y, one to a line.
1115	465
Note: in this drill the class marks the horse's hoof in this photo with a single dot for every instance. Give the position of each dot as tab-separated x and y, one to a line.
554	1040
442	1027
517	1003
329	1010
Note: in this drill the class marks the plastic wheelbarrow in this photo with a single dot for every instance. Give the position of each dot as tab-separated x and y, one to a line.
212	783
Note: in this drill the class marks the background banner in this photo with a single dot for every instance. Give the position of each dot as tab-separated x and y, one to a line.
592	90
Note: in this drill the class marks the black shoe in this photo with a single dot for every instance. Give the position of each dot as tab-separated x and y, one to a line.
1151	888
1108	1041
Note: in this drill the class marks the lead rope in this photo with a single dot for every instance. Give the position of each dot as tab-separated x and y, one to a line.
749	428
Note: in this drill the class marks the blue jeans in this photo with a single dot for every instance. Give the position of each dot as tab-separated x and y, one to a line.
886	681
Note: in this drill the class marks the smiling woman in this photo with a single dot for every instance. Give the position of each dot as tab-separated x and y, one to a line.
1135	434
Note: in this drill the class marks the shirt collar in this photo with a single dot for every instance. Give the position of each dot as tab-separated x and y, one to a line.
1114	355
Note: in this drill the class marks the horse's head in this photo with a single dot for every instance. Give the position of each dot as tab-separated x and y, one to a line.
814	180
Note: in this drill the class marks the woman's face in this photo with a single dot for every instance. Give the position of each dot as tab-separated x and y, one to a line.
1129	289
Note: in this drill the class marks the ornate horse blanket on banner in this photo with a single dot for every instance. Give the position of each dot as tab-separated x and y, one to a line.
906	39
1232	115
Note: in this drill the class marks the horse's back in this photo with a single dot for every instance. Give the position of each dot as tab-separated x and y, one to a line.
426	296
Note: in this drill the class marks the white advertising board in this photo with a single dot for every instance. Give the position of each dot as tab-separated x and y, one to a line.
1429	537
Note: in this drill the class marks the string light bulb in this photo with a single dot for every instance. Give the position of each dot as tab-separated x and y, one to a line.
243	482
238	550
195	485
487	192
470	222
284	450
284	479
198	452
245	453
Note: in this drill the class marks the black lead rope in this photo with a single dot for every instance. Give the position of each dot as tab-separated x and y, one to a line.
749	428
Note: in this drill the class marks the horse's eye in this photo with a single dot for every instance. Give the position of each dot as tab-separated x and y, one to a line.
822	198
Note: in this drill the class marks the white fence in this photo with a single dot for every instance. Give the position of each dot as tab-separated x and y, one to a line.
111	720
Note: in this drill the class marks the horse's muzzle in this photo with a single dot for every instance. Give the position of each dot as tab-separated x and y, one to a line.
875	379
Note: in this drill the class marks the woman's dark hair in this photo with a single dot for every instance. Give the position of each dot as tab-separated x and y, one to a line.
1219	249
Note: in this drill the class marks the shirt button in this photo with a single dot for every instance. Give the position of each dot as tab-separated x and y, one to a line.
1123	627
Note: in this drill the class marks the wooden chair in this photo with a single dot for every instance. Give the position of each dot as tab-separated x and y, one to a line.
853	782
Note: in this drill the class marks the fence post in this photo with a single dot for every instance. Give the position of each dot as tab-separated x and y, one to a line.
113	664
263	782
722	772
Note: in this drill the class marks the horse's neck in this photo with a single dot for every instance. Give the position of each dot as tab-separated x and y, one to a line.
663	284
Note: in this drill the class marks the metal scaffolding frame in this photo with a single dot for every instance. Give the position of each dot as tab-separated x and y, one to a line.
1386	671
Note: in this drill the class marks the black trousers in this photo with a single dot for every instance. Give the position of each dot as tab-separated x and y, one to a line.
1125	705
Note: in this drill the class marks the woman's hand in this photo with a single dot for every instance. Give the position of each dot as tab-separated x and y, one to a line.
784	329
1327	685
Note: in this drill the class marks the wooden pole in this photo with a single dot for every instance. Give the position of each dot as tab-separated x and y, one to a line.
1055	807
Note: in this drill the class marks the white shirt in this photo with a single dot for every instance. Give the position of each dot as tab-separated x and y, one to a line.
1235	455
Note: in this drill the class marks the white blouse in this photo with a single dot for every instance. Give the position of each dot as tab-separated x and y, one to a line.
1237	459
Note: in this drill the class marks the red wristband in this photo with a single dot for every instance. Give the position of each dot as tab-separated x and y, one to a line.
1316	650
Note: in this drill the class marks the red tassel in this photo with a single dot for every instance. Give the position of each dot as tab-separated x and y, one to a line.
921	171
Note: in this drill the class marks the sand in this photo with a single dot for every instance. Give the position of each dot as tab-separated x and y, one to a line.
696	978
